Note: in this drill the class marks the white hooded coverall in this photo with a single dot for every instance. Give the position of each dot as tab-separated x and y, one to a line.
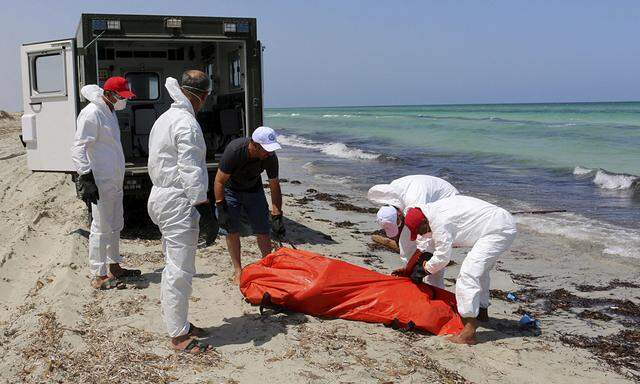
409	191
97	148
178	171
468	221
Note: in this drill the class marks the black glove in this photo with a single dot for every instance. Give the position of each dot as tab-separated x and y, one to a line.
87	188
277	227
222	211
208	223
419	272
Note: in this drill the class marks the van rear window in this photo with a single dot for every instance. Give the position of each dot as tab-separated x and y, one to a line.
49	73
146	85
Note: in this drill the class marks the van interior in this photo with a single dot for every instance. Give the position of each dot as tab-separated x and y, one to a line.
146	65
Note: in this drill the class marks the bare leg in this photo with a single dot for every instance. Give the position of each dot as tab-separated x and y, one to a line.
233	245
468	333
97	281
264	243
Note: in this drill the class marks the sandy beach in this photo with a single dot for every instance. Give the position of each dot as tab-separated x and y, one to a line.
55	328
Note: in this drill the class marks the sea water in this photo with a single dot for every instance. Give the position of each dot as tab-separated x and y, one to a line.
580	157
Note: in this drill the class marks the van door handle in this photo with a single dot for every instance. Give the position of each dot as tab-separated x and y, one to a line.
36	103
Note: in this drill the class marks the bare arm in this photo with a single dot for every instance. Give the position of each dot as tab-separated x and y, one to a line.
386	242
276	196
218	185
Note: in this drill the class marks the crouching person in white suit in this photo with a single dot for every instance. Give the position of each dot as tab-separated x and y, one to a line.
178	202
468	221
409	191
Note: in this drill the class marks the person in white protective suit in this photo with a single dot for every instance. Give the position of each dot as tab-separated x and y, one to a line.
99	161
465	220
178	202
396	196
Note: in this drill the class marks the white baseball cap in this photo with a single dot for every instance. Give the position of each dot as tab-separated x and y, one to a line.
266	137
387	218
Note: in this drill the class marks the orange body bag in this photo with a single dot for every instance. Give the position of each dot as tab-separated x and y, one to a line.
306	282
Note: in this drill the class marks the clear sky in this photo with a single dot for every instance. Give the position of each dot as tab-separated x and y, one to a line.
327	53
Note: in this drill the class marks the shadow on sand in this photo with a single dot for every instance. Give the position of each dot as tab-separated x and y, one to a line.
253	327
298	233
155	277
137	223
499	329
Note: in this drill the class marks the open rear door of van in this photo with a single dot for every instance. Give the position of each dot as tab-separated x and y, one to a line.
49	89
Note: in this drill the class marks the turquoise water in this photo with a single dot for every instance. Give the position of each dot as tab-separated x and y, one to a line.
582	158
590	135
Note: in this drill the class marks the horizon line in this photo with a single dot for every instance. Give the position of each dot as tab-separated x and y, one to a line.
435	105
459	104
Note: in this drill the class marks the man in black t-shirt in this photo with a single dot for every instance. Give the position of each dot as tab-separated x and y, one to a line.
238	187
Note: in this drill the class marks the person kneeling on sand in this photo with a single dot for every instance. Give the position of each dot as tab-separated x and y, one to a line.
465	220
405	192
238	188
178	202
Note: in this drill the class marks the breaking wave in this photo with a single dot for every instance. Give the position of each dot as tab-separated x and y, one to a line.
614	240
580	171
609	180
278	114
341	150
332	149
333	116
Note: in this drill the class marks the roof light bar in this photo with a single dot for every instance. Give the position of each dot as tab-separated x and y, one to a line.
173	23
242	28
113	25
98	25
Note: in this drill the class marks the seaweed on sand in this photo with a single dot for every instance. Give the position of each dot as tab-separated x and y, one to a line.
615	283
620	350
122	356
594	315
346	350
352	208
336	201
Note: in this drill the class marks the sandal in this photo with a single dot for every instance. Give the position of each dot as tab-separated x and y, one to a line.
196	331
111	283
202	347
129	273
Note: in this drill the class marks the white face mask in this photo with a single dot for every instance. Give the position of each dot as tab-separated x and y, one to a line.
120	104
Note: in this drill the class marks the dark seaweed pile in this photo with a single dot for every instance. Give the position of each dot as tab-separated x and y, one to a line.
620	350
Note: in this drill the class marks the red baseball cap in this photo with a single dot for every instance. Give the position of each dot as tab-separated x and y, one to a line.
412	220
119	85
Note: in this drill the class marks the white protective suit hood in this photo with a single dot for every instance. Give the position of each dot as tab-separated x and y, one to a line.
94	94
180	100
411	190
385	194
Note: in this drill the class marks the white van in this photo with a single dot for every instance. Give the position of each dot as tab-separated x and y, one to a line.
145	50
